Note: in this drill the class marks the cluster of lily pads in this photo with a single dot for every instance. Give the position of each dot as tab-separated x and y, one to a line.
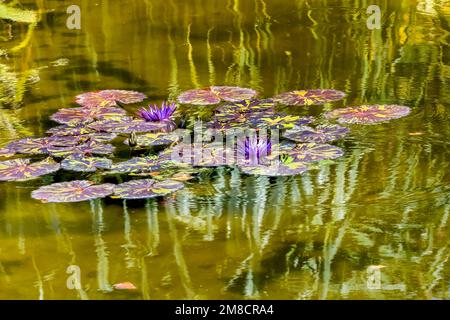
88	136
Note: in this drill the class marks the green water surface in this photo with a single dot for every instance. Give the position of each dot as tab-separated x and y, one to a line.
227	235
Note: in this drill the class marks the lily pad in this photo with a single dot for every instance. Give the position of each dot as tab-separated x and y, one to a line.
109	98
319	134
128	125
81	163
311	152
237	120
368	114
276	169
197	154
247	106
40	145
6	153
157	139
137	165
66	130
233	94
73	191
215	94
23	169
146	188
280	121
199	97
309	97
88	148
75	116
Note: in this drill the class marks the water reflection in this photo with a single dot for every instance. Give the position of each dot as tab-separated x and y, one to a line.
386	203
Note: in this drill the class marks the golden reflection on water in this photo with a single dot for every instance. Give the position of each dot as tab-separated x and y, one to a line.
387	202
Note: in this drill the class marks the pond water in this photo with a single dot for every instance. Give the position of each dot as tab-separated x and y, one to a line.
381	212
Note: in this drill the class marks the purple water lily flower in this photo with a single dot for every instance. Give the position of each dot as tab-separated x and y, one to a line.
157	114
254	148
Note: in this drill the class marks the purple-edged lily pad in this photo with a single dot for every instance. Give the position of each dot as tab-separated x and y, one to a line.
73	191
146	188
197	154
311	152
40	145
233	94
309	97
280	121
66	130
88	148
246	106
199	97
319	134
128	125
137	165
109	98
368	114
215	94
81	163
23	169
74	116
157	138
237	120
276	169
6	153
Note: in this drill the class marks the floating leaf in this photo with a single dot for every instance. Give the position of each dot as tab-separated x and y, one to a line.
109	98
309	97
88	148
215	94
75	116
247	106
199	97
40	145
158	138
280	121
128	125
81	163
197	154
319	134
233	94
6	153
146	188
66	130
73	191
137	165
237	120
311	152
276	169
368	114
23	169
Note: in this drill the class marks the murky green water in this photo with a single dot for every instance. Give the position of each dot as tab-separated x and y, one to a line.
387	202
